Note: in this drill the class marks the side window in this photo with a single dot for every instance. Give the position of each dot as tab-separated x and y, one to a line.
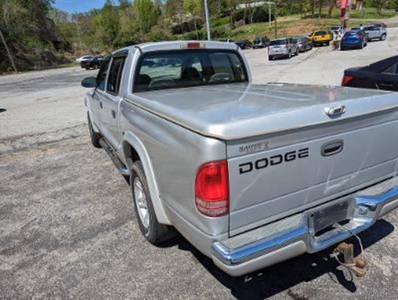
115	74
391	70
101	77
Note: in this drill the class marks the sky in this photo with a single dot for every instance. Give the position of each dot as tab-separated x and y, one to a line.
73	6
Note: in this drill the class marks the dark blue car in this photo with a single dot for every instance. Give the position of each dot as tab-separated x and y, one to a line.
353	39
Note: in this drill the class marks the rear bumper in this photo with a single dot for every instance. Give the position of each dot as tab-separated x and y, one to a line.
325	41
308	232
279	53
347	45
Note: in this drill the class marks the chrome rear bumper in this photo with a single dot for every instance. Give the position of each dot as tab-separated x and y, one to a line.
310	231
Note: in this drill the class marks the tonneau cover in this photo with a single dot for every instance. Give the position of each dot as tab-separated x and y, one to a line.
238	111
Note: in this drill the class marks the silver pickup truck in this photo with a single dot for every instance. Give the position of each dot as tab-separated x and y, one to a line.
251	175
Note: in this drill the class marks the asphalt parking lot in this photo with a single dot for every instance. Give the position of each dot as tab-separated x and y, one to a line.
67	224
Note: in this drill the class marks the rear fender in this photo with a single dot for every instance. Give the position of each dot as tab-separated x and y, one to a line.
130	140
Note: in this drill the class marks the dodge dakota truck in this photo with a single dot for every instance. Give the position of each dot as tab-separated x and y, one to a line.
251	175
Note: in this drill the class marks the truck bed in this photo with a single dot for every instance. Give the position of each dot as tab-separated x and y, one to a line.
236	111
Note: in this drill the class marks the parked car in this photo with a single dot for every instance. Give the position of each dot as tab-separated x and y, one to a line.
374	32
382	75
244	44
303	43
284	47
321	37
336	28
227	41
353	39
93	63
261	42
84	57
380	24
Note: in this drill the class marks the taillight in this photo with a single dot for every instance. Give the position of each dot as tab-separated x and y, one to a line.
192	45
360	36
346	79
212	189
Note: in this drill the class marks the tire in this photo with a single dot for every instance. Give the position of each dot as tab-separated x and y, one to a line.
95	67
297	51
270	57
289	55
94	136
150	228
383	37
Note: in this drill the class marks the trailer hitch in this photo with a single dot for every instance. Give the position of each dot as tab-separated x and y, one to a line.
357	265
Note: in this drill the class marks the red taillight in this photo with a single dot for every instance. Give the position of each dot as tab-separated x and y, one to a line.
360	36
346	79
193	45
212	189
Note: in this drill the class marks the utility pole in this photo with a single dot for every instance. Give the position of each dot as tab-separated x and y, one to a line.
207	21
269	4
8	51
276	25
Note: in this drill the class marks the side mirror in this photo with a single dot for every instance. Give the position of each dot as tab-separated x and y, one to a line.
89	82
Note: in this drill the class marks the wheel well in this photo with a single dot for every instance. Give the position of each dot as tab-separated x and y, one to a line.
131	154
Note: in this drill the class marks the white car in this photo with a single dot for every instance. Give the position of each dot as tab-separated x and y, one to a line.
84	57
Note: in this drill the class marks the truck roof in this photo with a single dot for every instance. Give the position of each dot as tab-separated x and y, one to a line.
178	45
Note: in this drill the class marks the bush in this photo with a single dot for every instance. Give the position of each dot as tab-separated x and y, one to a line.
187	26
158	34
193	36
256	15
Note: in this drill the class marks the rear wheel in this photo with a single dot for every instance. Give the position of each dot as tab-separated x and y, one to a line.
289	55
383	37
94	136
270	57
152	230
297	51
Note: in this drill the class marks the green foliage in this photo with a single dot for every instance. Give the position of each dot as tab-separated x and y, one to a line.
147	14
216	22
194	7
29	32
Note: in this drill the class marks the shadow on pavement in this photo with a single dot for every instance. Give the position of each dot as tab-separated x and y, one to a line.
2	110
273	280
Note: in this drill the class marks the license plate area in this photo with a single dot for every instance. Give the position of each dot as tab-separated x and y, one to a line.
321	219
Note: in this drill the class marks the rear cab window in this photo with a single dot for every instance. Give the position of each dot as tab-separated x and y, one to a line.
184	68
277	42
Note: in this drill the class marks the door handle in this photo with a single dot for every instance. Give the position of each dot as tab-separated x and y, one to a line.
114	114
385	84
332	148
101	105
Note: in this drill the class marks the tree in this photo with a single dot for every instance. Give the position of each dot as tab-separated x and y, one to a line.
194	7
124	4
108	21
147	14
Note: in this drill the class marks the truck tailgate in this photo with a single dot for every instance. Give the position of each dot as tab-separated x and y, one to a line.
281	173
